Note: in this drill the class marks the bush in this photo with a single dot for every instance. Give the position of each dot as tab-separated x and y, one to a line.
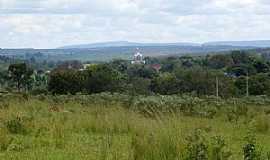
232	116
197	149
39	91
219	149
15	126
250	149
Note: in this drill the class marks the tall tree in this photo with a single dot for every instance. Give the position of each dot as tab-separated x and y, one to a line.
21	74
166	84
100	78
65	81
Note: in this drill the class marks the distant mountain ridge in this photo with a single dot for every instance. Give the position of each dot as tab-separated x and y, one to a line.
108	51
258	43
124	44
255	43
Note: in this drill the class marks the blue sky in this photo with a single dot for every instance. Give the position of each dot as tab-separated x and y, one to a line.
53	23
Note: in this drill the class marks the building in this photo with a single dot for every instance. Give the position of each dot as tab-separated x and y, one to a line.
138	58
156	67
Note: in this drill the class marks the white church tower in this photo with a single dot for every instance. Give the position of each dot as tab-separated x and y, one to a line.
138	58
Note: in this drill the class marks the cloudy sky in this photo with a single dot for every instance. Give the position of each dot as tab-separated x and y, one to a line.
53	23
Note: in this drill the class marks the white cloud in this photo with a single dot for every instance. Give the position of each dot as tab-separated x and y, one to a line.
52	23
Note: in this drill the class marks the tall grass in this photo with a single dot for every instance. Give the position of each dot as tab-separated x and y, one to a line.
83	128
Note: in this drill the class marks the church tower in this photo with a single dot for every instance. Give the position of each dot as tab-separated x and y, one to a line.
138	58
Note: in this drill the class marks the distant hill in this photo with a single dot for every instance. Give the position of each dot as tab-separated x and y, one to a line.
255	44
124	44
259	43
107	51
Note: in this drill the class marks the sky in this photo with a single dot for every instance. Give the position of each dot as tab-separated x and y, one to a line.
55	23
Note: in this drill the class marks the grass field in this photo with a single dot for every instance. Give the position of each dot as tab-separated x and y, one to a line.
42	128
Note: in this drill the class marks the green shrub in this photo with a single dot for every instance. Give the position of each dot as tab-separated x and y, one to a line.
39	91
250	149
219	149
15	126
232	116
197	148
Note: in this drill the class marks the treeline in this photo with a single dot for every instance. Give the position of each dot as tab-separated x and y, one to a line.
21	77
233	74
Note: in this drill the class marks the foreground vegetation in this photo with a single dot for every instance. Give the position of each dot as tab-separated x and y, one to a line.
161	110
121	127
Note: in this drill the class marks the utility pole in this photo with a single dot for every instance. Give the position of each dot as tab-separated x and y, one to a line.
247	85
217	87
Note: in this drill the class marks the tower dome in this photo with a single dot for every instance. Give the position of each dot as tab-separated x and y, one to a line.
138	58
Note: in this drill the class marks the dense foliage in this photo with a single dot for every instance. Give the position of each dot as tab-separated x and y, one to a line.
235	74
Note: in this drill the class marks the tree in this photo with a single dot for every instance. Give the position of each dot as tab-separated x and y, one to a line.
258	84
166	84
100	78
220	61
65	81
70	65
40	80
141	71
261	66
140	86
20	74
241	70
240	57
187	61
3	78
198	80
120	65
